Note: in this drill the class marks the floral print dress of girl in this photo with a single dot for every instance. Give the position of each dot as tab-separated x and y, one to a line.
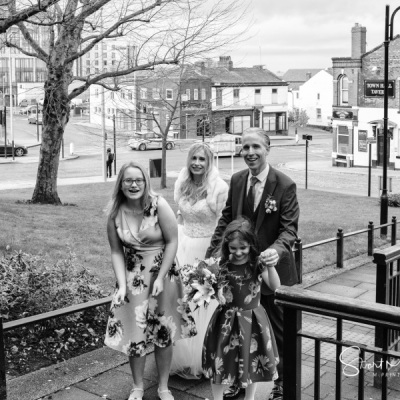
239	346
144	319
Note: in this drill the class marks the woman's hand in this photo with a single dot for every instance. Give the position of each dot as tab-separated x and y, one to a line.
119	296
158	287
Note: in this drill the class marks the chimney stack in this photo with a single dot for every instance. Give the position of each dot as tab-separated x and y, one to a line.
225	61
358	41
308	75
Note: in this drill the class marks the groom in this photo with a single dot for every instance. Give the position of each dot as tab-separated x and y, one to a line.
268	198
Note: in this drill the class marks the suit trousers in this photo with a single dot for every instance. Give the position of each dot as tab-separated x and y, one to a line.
275	315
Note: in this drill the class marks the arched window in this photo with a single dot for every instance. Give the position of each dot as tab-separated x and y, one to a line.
343	90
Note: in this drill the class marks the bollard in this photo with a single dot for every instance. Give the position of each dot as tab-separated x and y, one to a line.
298	256
71	149
394	230
3	384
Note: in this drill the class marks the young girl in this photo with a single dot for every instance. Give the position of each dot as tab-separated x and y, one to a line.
239	346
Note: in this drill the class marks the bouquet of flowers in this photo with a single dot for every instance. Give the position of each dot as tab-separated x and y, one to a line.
206	280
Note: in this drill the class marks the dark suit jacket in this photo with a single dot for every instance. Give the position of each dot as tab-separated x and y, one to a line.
276	230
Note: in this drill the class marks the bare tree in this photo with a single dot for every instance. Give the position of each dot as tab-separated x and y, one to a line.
17	12
163	32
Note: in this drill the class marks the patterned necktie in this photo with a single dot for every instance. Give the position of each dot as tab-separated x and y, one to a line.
251	192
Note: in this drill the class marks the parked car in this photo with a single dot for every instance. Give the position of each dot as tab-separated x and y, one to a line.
24	103
225	144
19	150
150	144
35	118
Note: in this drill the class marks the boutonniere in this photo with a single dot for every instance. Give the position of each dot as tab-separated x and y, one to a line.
270	204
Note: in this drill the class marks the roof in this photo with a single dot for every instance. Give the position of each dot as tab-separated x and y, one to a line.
300	75
241	76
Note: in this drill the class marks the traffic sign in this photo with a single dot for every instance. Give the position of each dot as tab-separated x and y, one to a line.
307	137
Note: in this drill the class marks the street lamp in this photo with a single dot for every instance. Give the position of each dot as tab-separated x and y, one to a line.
384	195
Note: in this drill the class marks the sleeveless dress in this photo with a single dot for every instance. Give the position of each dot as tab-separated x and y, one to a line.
199	223
144	320
239	346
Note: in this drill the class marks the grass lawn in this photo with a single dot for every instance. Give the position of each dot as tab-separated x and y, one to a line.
80	227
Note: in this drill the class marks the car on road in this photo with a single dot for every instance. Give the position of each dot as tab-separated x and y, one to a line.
19	150
150	144
35	119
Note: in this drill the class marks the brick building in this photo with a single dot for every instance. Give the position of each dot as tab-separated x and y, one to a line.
357	112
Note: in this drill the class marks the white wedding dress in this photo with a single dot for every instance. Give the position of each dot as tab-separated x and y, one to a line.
194	236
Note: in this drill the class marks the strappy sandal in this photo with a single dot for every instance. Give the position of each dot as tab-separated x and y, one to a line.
136	394
165	394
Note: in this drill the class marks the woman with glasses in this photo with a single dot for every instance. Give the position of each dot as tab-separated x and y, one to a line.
147	308
201	195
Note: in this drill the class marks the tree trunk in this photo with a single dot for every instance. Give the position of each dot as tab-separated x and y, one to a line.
56	110
164	162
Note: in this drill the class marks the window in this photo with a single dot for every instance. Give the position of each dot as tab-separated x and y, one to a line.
112	55
88	71
169	94
96	47
156	93
319	115
24	69
87	55
236	93
96	55
203	94
238	124
318	96
96	92
87	62
113	62
97	70
129	94
269	122
104	55
195	94
188	94
343	91
219	97
105	62
343	140
96	62
143	93
122	94
257	96
274	97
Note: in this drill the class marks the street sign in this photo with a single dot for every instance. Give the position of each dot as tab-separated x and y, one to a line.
371	140
307	137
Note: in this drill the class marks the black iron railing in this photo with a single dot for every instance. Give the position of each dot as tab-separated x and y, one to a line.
340	240
295	301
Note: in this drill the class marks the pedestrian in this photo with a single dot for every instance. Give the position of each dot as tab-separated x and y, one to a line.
110	159
239	346
268	198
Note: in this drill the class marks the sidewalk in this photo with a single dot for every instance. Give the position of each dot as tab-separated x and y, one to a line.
105	374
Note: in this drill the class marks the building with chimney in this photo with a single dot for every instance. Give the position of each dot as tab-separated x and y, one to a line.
357	112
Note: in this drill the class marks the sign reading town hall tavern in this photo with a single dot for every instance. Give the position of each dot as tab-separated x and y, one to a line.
377	88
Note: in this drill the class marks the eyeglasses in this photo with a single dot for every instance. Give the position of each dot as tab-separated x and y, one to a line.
130	181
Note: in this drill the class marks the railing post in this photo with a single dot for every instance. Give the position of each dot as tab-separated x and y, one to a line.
394	230
339	248
298	258
3	382
370	238
291	354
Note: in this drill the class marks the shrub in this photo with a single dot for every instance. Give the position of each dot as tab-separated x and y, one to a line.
32	285
394	199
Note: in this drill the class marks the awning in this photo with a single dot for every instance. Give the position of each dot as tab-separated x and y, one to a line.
380	122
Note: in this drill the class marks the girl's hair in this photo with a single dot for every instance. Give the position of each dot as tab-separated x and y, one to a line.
188	188
243	230
118	196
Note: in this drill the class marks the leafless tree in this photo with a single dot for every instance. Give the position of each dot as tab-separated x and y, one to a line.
15	12
163	32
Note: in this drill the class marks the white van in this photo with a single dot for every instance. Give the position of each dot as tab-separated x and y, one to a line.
226	144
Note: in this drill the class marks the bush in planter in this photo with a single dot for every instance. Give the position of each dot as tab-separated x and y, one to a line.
394	199
32	285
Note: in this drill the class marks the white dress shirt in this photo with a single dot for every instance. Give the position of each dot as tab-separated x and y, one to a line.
259	186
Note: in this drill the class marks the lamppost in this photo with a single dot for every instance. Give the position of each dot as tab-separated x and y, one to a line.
384	195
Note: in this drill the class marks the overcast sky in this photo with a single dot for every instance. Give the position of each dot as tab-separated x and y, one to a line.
308	33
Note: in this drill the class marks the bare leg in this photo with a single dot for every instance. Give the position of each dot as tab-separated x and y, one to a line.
137	367
250	391
163	357
218	391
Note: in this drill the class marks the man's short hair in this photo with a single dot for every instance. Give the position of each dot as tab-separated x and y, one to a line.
263	134
108	150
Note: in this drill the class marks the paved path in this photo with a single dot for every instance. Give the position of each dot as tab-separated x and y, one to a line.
105	374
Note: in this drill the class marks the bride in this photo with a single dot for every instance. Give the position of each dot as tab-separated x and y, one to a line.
201	195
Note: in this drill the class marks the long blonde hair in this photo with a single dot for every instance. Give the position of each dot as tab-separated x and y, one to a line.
188	188
118	197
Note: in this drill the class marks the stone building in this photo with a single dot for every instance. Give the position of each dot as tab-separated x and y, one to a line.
357	112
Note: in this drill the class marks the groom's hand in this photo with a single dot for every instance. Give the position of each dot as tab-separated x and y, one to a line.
269	257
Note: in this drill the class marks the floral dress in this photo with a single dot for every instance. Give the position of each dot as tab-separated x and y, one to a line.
146	320
239	346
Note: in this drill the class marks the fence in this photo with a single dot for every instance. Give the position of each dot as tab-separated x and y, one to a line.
294	301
